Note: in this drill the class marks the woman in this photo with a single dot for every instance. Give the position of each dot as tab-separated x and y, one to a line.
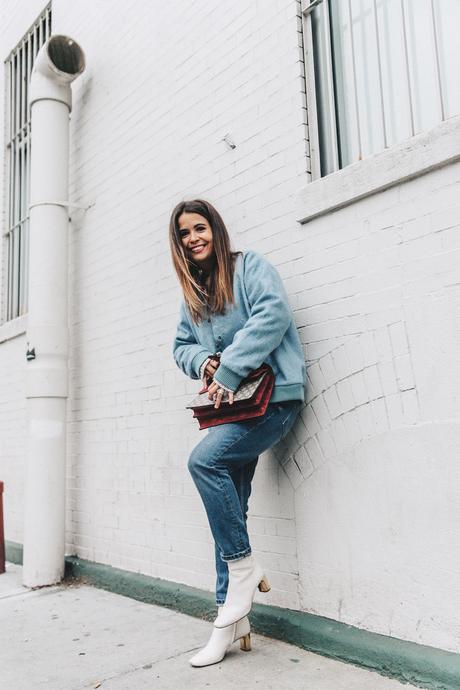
234	303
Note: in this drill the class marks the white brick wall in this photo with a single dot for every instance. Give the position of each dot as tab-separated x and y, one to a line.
354	514
376	518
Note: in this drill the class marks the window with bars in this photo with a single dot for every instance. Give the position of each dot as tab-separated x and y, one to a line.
18	67
377	72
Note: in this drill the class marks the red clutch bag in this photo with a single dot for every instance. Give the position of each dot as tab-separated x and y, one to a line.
249	400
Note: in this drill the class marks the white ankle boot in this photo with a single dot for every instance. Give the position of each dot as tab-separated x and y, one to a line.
220	642
244	576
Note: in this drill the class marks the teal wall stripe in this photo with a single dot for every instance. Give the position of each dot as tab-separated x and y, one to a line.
13	552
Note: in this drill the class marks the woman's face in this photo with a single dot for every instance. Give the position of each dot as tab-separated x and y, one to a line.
196	236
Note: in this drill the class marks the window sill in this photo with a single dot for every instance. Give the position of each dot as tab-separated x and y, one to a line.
413	157
11	329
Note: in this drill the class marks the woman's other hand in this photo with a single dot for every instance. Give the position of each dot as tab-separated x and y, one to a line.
210	369
214	388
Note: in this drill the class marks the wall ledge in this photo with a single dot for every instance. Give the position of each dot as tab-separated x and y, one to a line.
411	158
14	328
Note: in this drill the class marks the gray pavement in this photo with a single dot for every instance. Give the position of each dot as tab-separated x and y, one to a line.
77	637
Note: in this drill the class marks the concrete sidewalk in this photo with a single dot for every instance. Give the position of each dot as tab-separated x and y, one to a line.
74	637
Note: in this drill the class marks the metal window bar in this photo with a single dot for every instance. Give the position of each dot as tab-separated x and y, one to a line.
18	68
355	86
438	62
407	69
332	124
308	8
327	149
379	63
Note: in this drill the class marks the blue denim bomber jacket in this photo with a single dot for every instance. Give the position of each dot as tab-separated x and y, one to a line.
258	328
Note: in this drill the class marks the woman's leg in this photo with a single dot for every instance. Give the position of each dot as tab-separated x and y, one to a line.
242	479
226	448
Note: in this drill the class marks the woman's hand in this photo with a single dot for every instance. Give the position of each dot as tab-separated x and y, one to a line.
215	389
210	369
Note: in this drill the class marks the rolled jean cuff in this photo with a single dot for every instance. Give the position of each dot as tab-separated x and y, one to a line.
237	556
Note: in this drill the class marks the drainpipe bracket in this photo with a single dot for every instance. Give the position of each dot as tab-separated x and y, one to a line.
65	204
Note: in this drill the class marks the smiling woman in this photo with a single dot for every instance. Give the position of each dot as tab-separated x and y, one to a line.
196	235
234	302
202	258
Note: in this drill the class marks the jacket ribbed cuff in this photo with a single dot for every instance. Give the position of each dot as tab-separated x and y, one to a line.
198	360
228	378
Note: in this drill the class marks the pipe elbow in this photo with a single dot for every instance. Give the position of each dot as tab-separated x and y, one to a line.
59	61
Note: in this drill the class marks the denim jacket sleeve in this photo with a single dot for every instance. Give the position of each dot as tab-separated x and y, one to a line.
269	319
188	354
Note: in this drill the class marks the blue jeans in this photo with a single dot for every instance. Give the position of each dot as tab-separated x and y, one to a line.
222	466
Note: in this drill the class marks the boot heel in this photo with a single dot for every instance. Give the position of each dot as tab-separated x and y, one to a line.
264	585
245	643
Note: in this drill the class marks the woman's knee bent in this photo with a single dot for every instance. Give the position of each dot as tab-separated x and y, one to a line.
198	460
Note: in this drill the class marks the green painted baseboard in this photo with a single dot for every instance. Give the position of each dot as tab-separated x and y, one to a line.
13	552
420	665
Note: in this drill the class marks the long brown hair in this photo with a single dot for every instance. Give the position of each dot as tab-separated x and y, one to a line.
198	298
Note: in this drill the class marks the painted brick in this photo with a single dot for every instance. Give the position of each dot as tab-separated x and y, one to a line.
332	402
403	370
345	393
372	382
359	389
380	415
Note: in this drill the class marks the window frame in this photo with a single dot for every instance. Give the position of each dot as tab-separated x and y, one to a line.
307	8
325	159
401	162
15	233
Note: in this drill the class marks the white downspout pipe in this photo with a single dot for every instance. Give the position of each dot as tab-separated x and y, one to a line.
58	63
